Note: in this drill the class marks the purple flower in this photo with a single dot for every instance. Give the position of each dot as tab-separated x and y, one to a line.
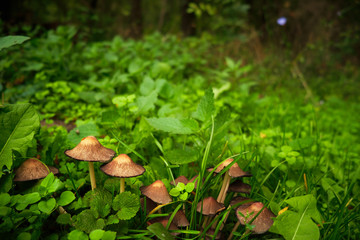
281	21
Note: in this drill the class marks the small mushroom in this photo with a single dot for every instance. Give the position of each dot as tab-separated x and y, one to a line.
150	204
262	222
33	169
239	187
233	171
156	192
123	167
181	179
91	150
180	219
209	206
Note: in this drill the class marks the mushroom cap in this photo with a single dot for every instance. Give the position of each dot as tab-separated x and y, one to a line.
181	179
90	150
239	199
195	179
210	232
156	192
150	204
234	170
122	166
263	221
31	169
164	222
54	170
209	206
180	219
239	187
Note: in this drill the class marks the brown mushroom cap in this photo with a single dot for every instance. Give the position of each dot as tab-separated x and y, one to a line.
239	199
90	150
122	166
150	204
209	206
31	169
262	222
239	187
180	219
156	192
234	170
181	179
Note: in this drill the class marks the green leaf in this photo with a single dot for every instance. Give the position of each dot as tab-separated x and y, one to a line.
286	149
147	86
86	221
206	106
159	230
18	124
307	205
109	235
174	125
77	235
29	198
24	236
4	199
100	201
96	234
302	143
85	129
295	226
174	192
183	155
146	103
4	211
127	204
66	198
180	186
64	219
8	41
184	196
47	206
189	187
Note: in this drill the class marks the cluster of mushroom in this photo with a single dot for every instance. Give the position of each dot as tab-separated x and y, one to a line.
91	150
246	212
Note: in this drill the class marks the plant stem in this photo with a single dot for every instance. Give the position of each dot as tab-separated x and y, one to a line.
228	179
122	185
233	230
92	175
224	188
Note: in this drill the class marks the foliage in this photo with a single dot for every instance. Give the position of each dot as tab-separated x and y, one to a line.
163	102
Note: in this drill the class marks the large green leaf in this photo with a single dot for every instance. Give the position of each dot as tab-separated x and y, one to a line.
127	204
295	226
8	41
174	125
305	204
161	232
182	155
206	106
18	125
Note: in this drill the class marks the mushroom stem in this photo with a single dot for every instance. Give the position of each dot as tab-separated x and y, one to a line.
233	230
122	185
224	188
92	175
206	218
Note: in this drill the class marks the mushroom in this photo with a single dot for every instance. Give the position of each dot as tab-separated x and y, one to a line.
156	192
239	187
180	219
33	169
233	171
91	150
181	179
150	204
247	212
209	207
123	167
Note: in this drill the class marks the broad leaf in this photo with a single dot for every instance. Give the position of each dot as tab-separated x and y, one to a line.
182	155
47	206
86	221
146	103
161	232
8	41
206	107
174	125
127	204
295	226
18	124
305	204
66	198
83	130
